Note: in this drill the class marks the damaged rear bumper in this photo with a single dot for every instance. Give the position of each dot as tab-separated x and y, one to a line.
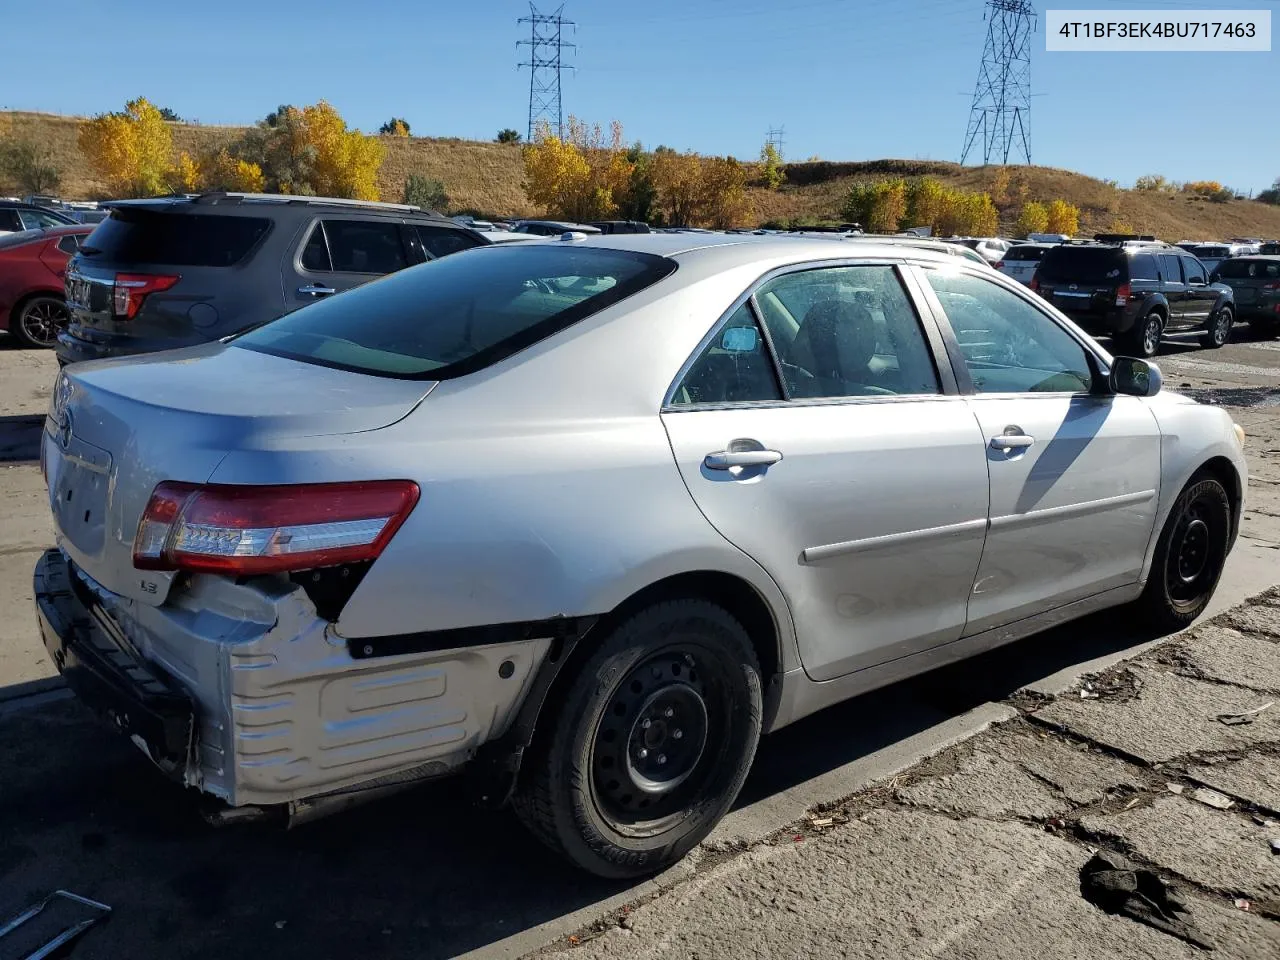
243	691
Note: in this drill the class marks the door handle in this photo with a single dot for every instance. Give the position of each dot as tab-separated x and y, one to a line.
727	459
1012	441
315	290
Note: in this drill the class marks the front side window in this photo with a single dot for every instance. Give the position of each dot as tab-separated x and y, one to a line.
1008	345
365	246
450	317
846	332
35	220
734	368
1194	270
1170	271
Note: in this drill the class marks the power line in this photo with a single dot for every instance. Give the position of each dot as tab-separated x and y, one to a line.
1001	109
546	47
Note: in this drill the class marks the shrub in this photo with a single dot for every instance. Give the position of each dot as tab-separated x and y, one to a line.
419	191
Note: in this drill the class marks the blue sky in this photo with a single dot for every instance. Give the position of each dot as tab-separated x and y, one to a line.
849	79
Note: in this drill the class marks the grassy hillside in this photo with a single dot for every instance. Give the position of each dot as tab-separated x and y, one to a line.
488	177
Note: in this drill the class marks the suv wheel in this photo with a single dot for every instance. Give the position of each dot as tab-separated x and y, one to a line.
1219	329
650	744
1144	339
1264	328
40	321
1189	556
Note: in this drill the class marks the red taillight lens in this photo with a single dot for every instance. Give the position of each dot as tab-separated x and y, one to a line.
1123	293
243	530
1271	286
132	288
999	264
1035	284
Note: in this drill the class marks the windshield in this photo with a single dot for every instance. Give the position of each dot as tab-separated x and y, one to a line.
174	239
1102	265
461	313
1210	252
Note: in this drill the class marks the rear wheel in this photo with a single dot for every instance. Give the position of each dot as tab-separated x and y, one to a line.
650	744
1189	556
1263	328
1219	329
39	321
1144	339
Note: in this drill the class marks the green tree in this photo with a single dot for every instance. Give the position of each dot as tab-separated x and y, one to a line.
771	162
638	200
167	114
30	166
1033	218
419	191
1271	196
508	135
395	127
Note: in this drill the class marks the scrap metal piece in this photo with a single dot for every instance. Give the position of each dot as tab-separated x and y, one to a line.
67	935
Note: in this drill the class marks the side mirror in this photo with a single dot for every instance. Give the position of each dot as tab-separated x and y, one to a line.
739	339
1135	378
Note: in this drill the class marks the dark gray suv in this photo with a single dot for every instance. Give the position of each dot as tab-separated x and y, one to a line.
178	271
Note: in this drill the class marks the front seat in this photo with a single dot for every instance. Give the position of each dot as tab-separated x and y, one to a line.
836	342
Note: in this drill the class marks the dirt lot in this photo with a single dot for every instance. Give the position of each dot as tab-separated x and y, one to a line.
424	875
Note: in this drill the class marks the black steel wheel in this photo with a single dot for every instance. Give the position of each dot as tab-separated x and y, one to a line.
39	321
651	741
1189	556
1220	325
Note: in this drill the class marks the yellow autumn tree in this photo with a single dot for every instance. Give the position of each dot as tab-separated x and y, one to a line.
579	175
888	206
131	150
724	193
347	161
1063	218
1033	218
186	174
677	180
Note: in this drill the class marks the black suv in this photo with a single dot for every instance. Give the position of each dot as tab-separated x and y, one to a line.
177	271
1136	293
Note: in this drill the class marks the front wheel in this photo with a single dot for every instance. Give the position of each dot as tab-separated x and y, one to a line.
40	321
1219	329
649	744
1189	557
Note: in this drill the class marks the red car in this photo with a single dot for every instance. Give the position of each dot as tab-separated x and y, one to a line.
32	262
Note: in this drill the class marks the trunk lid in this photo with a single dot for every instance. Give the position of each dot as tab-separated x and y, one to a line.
118	428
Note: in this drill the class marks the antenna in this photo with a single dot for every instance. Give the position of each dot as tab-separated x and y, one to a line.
545	45
1001	110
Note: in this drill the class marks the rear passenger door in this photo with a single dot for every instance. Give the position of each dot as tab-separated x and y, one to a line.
1174	287
1199	299
337	253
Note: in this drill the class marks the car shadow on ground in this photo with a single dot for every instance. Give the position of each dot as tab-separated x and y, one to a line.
422	874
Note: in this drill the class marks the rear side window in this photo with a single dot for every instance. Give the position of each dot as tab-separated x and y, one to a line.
174	239
69	244
1024	254
1170	272
441	241
1249	269
453	316
1101	265
365	246
1142	266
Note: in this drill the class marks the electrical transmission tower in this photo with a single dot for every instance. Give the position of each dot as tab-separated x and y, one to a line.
774	137
546	45
1001	111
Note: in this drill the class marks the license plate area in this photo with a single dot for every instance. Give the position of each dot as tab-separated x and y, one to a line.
79	480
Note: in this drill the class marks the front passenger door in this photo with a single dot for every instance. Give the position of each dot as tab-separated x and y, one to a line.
1075	471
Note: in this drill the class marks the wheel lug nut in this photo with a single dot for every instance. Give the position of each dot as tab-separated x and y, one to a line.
677	734
662	758
671	712
646	723
642	753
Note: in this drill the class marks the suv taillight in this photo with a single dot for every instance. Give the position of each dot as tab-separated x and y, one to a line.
1123	293
1035	284
1271	286
132	288
248	530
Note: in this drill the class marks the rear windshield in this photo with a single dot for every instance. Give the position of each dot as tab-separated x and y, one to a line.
1205	251
1083	265
1024	253
174	239
1244	269
461	313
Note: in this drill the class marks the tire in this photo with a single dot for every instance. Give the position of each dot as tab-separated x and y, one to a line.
1219	334
1264	329
1143	340
37	322
598	786
1189	557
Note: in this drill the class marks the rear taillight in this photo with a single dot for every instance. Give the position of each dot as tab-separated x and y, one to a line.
1123	293
999	264
1035	284
1271	286
132	288
245	530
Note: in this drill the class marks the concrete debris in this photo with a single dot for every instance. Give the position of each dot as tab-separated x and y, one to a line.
1119	886
1240	719
1212	798
1175	787
1275	844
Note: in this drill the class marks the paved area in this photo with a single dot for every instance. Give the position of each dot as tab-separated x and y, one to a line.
946	851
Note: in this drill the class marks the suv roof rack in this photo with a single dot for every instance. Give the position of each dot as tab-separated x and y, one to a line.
219	196
1123	237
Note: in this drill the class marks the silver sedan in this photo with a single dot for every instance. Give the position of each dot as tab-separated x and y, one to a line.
585	518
